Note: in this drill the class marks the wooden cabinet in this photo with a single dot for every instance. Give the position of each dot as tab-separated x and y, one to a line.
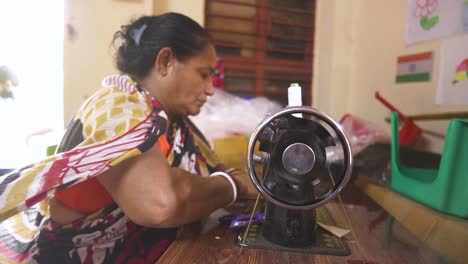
265	45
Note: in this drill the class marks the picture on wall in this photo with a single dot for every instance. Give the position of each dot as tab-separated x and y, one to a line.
414	68
465	16
432	19
453	79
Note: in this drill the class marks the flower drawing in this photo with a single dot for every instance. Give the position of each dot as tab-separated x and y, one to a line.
424	11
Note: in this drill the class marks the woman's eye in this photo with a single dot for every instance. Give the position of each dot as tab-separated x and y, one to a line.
205	76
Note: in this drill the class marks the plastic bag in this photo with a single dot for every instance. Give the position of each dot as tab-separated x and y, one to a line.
361	133
225	115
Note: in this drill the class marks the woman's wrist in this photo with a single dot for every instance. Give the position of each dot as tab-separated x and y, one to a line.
232	181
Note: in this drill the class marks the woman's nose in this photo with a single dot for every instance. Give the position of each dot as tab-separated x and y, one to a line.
209	90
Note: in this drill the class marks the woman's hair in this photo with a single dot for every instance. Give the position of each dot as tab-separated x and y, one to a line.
143	38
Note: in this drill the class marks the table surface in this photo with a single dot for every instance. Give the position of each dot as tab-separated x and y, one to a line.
366	220
444	233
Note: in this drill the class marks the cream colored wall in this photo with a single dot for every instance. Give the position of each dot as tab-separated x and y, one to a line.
88	57
195	9
332	57
356	51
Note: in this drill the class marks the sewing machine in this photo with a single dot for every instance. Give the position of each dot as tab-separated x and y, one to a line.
292	174
298	159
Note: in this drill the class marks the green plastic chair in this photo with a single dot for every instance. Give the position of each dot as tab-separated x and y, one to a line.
445	189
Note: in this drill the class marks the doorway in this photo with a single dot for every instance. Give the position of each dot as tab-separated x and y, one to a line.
32	47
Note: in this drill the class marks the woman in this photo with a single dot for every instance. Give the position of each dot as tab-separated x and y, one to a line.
128	169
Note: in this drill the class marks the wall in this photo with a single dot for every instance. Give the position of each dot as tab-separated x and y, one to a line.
332	58
88	54
356	51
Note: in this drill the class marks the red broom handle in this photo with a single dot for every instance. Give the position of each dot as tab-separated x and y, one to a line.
391	107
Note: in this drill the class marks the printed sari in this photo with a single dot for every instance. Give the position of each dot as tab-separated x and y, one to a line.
119	122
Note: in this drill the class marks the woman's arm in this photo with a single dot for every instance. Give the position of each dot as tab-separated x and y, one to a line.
153	194
242	178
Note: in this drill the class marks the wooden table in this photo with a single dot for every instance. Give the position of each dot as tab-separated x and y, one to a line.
218	245
444	233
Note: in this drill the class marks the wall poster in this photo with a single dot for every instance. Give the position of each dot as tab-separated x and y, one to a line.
432	19
453	73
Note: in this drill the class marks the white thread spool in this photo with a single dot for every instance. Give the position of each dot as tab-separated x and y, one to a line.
295	96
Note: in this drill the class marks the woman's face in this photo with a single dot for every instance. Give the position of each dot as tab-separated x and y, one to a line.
191	83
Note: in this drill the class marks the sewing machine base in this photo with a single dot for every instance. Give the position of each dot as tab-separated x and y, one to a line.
325	242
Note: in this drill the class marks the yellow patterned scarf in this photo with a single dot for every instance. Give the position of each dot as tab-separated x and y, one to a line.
120	121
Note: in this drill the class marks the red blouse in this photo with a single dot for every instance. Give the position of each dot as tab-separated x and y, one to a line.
90	196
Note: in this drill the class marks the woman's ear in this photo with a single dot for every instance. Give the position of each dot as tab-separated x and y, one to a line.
164	60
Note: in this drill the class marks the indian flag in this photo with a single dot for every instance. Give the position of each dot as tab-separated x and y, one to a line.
414	68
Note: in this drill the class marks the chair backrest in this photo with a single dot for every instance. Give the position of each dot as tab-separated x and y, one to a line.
454	162
443	189
420	173
395	148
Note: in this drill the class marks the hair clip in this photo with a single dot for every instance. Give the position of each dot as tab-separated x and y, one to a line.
137	33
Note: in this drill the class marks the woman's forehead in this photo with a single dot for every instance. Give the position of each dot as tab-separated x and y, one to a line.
205	58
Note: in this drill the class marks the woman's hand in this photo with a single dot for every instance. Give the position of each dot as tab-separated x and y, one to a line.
245	186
